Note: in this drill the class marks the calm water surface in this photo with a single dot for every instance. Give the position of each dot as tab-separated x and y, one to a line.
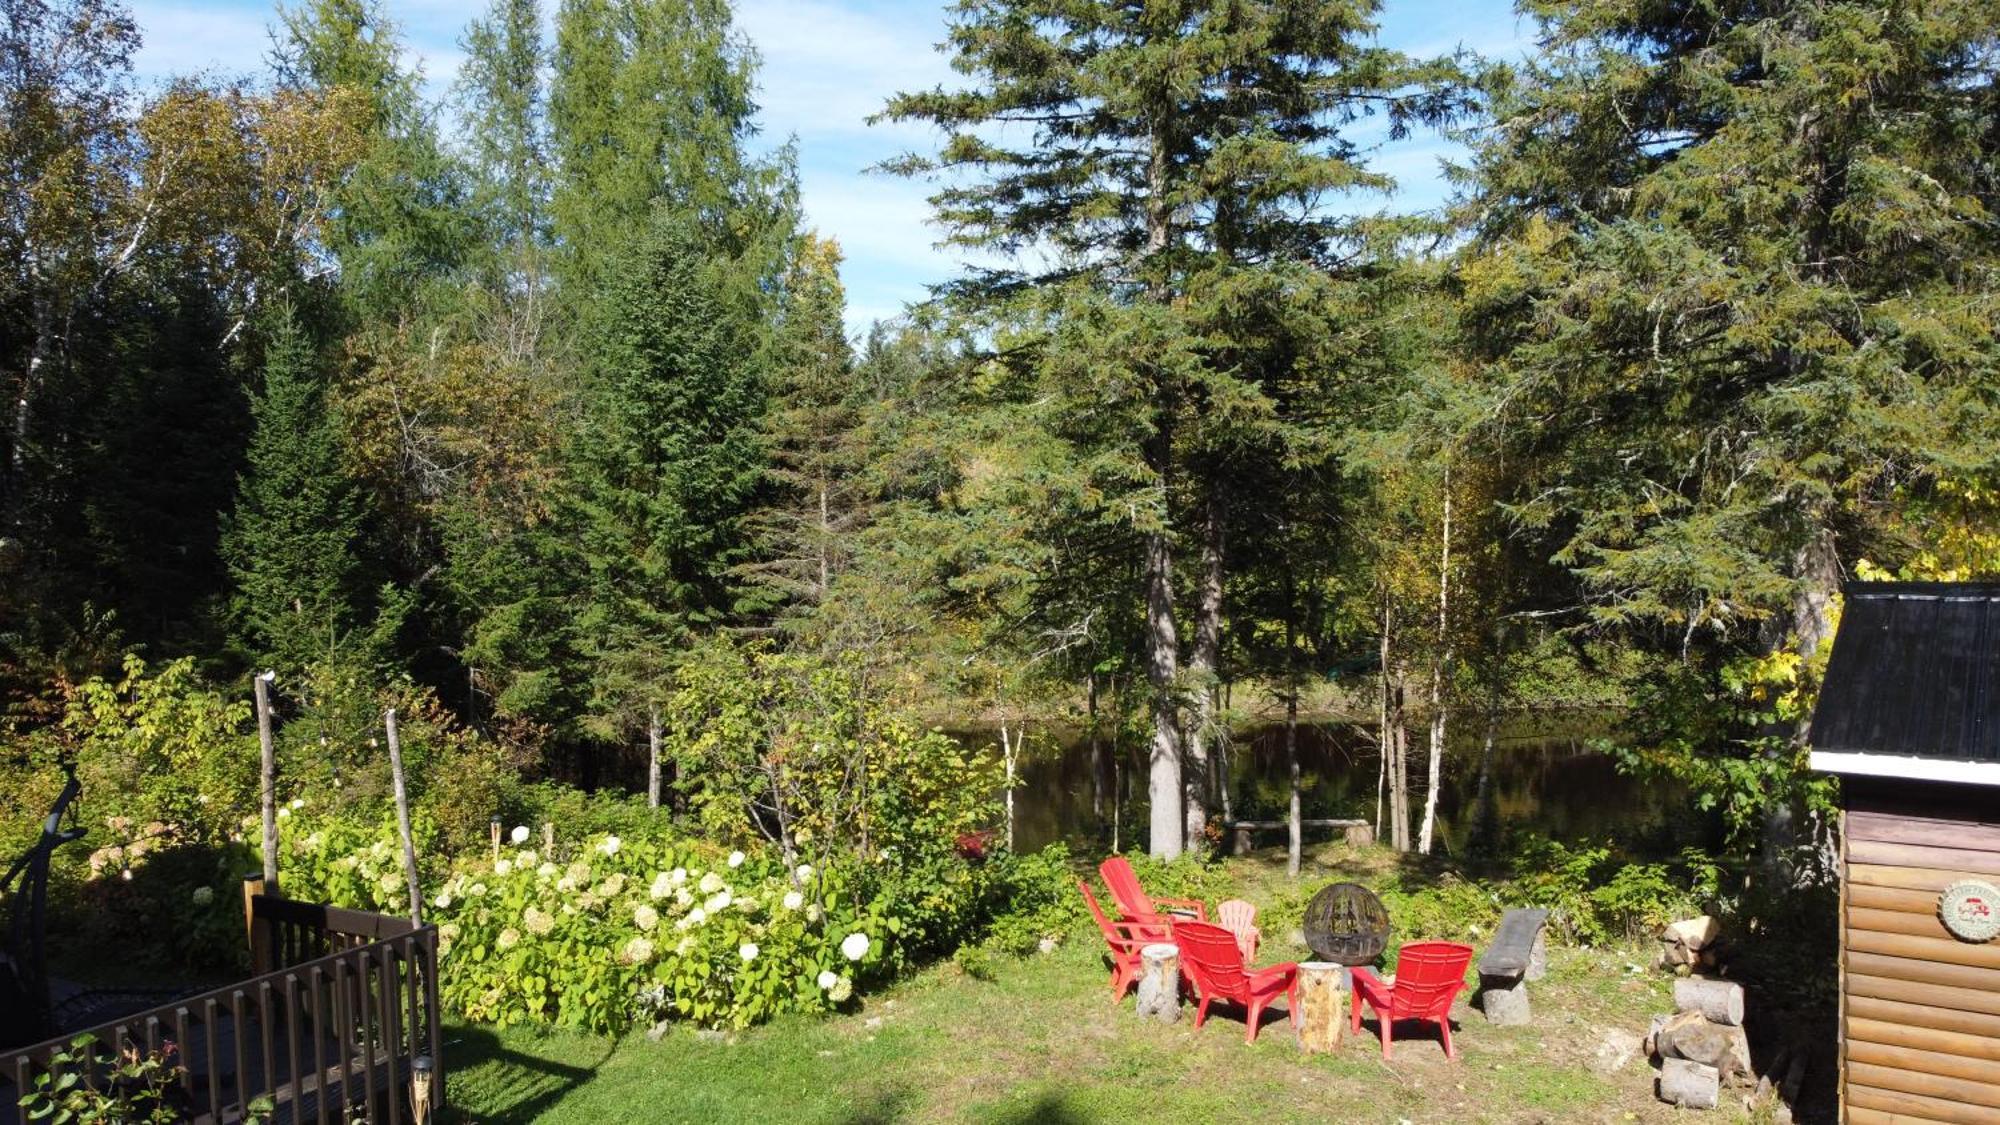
1546	777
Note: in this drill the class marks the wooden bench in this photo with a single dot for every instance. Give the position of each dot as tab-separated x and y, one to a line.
1357	832
1519	954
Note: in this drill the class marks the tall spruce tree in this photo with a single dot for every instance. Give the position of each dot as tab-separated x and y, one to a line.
291	541
1735	267
1179	163
671	461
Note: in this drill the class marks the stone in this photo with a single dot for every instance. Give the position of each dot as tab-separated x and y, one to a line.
1505	1001
1616	1048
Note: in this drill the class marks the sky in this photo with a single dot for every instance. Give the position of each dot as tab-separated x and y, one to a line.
827	65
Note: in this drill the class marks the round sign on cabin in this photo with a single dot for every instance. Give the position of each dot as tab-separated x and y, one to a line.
1970	909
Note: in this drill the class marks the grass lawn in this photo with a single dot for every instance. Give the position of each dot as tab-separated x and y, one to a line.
1042	1043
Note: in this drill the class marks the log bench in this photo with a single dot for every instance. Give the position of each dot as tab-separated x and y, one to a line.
1519	954
1242	832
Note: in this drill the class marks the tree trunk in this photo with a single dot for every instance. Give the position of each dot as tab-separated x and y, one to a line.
653	758
13	502
1816	569
1097	763
403	817
1485	817
1163	787
1322	1006
1007	754
1440	662
1399	761
1382	719
1203	665
269	784
1292	816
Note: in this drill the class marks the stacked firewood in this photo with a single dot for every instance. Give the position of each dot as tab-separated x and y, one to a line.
1701	1047
1692	946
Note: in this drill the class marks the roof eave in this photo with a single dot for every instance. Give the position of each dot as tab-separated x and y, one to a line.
1960	771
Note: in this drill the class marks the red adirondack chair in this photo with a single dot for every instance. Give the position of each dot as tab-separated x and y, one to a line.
1210	955
1428	976
1136	906
1125	939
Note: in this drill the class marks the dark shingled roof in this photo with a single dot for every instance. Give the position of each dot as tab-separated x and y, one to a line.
1915	671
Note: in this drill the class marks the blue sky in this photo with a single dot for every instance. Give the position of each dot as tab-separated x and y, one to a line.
828	64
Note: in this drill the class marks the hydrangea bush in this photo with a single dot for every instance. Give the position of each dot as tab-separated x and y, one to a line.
616	930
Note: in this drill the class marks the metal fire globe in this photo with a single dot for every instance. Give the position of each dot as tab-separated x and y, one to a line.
1346	923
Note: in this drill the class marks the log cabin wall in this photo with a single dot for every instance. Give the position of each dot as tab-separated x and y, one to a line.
1920	1009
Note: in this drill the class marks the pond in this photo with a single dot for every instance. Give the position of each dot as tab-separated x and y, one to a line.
1546	777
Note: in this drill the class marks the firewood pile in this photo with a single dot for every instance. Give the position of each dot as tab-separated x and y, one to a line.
1701	1048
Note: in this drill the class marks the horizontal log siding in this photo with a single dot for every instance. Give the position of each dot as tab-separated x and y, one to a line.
1920	1010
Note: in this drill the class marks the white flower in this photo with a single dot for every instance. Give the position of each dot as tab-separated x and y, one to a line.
735	859
502	867
854	946
526	859
827	979
546	870
813	912
538	922
298	802
443	900
697	916
645	918
804	872
638	951
677	876
565	884
660	888
841	990
284	812
718	902
520	834
711	883
509	938
476	889
747	951
794	900
610	845
204	895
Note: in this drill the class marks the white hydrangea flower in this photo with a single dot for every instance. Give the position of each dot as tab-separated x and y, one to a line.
284	812
503	867
638	951
565	884
747	951
854	946
685	947
735	859
677	876
546	871
804	872
526	859
718	902
520	834
539	922
794	900
298	802
814	913
509	938
697	916
610	845
827	979
204	895
710	883
660	888
476	890
683	899
443	900
841	990
646	918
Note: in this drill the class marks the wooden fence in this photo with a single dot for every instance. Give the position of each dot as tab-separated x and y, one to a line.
343	1006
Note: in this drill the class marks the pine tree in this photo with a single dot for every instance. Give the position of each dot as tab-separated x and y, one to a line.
291	541
504	119
1180	163
672	459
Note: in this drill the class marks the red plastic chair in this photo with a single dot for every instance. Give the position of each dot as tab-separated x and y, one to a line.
1240	918
1429	975
1126	939
1209	953
1134	903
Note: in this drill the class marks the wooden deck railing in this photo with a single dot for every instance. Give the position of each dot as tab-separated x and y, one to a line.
343	1007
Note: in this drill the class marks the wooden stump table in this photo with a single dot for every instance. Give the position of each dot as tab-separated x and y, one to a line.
1160	984
1322	1005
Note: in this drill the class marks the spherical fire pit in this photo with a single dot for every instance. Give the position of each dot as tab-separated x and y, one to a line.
1346	923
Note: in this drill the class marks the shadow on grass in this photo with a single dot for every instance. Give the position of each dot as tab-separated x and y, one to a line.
1051	1108
880	1108
513	1087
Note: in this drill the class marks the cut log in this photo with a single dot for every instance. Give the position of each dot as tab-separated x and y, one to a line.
1721	1046
1651	1045
1690	1084
1160	986
1360	835
1322	1005
1694	933
1719	1000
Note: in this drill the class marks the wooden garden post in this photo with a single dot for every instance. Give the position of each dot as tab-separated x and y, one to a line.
1160	986
1322	1005
403	817
262	685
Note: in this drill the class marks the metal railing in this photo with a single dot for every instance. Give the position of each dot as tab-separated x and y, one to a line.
339	1020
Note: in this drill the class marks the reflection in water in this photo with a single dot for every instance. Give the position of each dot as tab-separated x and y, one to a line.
1545	778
